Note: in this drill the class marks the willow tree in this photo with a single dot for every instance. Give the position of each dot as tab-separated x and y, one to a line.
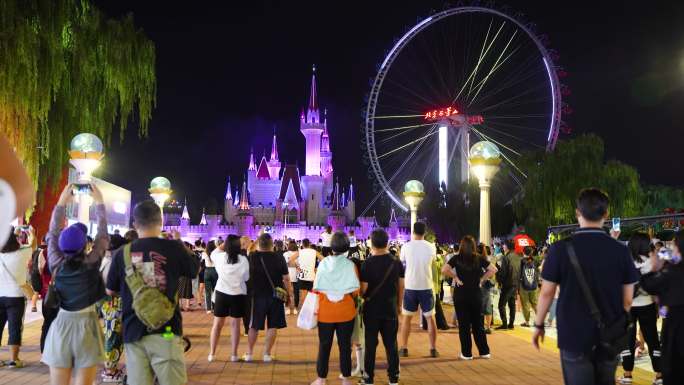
64	69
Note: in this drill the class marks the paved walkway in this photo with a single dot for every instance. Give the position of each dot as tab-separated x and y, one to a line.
514	361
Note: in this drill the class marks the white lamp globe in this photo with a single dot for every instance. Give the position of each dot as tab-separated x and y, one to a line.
485	150
414	186
160	183
86	142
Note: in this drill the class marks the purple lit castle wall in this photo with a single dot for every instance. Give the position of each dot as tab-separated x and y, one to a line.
277	197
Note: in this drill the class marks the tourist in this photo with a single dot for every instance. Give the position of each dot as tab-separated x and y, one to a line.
267	271
131	235
75	341
152	353
305	260
609	269
49	313
644	310
440	320
357	337
210	276
508	277
324	241
185	289
382	286
470	271
17	193
231	292
14	260
529	284
34	269
418	255
246	249
111	315
337	283
487	288
198	282
354	245
289	257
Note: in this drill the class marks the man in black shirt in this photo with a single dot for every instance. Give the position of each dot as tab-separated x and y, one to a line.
610	273
382	285
161	262
266	270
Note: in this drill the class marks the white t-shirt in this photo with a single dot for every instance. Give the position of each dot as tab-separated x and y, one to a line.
208	262
325	239
642	298
418	255
17	264
292	270
307	264
232	277
8	208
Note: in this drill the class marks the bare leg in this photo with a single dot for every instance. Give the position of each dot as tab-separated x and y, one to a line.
302	297
215	334
200	295
14	352
271	335
34	300
235	334
60	376
85	376
488	321
251	340
405	331
432	330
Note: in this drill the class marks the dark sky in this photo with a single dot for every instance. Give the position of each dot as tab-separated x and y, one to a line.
228	72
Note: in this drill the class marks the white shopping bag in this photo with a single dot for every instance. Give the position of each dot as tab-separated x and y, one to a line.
308	316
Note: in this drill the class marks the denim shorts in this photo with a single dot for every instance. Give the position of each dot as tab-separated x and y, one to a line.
414	298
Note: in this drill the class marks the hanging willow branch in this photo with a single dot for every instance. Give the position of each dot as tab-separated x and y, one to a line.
66	69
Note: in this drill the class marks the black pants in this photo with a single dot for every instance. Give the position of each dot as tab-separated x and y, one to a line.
12	313
469	314
673	347
647	317
587	368
388	329
295	292
507	298
440	320
49	315
210	279
344	332
247	319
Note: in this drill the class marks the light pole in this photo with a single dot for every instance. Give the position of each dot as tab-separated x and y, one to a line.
285	204
484	159
160	191
414	192
85	153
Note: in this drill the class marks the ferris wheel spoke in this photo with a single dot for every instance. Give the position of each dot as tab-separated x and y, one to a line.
398	117
516	126
483	52
495	66
390	152
414	93
509	135
482	56
403	127
508	100
519	75
405	131
485	137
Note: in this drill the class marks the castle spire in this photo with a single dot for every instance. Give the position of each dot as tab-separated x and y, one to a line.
274	147
252	164
393	217
313	104
185	214
244	202
203	221
351	190
229	194
336	197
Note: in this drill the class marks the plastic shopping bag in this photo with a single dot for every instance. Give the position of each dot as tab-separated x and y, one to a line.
308	316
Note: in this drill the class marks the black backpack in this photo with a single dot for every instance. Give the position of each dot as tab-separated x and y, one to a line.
528	276
36	282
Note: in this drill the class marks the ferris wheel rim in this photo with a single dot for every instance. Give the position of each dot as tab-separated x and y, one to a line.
407	38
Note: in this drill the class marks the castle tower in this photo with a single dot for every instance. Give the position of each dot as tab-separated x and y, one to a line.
336	218
185	217
393	225
244	216
229	204
312	128
350	205
274	162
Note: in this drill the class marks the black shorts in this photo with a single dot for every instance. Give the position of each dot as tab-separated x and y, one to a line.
267	311
229	305
305	285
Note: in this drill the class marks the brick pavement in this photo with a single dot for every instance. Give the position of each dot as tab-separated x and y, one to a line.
514	361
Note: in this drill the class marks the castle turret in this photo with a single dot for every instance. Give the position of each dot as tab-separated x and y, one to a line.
229	204
350	204
274	162
393	228
336	218
312	128
244	216
185	217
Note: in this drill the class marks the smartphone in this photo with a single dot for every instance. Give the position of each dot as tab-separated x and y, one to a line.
616	224
81	189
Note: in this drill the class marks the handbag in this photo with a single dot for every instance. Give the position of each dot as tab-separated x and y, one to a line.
308	315
51	300
25	287
278	292
613	338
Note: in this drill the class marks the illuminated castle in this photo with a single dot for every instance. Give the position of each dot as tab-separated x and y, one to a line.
279	199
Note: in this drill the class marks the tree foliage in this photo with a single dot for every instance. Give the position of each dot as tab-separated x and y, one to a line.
66	69
555	178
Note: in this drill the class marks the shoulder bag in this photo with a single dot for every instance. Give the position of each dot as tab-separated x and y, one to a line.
278	292
25	287
613	338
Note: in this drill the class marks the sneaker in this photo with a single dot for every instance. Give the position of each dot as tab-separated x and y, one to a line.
234	358
488	331
524	324
357	372
247	357
211	358
511	327
268	358
486	356
295	312
658	381
287	311
209	312
502	327
434	353
15	364
464	358
115	377
625	379
34	309
403	352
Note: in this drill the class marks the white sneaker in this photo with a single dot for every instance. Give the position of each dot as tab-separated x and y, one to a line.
625	380
234	358
658	381
287	311
486	356
211	358
464	358
247	357
357	372
295	312
268	358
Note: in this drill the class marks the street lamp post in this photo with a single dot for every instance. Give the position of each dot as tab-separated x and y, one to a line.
285	204
160	191
85	154
414	192
484	159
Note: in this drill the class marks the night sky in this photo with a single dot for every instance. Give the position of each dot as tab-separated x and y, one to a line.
229	73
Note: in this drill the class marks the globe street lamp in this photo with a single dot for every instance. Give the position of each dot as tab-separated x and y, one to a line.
484	159
414	192
160	191
85	154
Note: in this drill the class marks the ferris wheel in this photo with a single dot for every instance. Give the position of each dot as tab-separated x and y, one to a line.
462	75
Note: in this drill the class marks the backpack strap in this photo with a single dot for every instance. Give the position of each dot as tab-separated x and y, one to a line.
128	264
382	283
588	296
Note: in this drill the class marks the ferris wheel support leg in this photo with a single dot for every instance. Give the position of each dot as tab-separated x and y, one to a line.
485	224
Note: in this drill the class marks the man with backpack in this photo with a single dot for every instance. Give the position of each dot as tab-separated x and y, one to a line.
508	277
529	283
152	325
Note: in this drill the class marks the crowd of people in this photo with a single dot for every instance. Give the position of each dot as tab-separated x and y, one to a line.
112	296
